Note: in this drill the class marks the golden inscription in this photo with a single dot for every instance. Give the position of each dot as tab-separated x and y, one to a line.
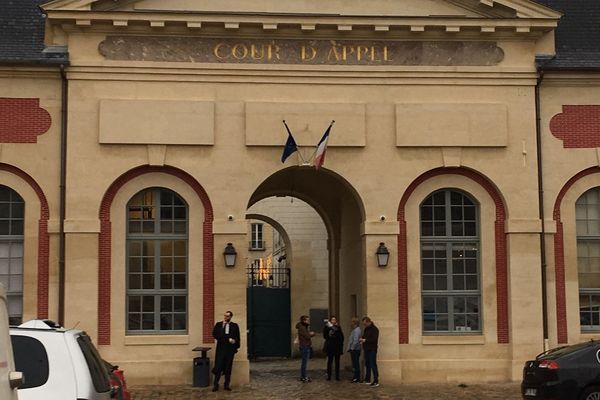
298	51
306	53
244	51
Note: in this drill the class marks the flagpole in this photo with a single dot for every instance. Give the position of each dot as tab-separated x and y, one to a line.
315	152
299	153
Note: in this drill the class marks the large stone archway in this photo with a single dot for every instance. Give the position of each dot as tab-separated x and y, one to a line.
342	212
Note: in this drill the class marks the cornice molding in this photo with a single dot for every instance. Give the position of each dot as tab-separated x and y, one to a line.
68	5
216	73
525	8
29	72
309	22
571	79
521	8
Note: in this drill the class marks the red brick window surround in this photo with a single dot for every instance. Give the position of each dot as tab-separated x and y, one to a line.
104	250
22	120
500	247
559	257
578	126
43	240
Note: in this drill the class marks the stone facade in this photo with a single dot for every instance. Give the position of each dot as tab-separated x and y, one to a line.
179	95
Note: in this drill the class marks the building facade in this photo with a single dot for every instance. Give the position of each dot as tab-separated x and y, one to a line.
136	135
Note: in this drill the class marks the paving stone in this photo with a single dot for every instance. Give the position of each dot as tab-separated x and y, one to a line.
271	380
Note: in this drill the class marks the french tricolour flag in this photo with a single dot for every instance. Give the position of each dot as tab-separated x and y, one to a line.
322	148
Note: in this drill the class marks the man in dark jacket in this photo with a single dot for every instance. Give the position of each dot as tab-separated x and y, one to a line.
305	343
227	335
369	341
334	345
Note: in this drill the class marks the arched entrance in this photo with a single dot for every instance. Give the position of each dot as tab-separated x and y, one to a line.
269	286
341	214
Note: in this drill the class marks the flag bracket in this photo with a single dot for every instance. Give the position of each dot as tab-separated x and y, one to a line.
319	154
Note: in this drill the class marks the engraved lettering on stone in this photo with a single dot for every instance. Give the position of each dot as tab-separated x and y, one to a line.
295	51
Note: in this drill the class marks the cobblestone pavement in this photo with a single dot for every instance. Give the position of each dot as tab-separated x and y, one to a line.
271	380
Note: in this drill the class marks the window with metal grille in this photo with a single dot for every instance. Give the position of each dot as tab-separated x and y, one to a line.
450	273
157	262
587	214
12	214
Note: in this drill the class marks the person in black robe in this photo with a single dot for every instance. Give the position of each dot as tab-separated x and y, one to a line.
227	335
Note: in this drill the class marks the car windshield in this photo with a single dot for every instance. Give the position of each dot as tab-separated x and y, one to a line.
562	351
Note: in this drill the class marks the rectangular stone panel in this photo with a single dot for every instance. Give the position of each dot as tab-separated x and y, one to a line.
307	121
451	124
302	52
156	122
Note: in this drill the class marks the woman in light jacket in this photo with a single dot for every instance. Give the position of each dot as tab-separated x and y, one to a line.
354	349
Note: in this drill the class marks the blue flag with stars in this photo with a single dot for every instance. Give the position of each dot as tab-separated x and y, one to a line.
290	145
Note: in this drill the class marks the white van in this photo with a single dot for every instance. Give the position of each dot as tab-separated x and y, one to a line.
9	379
58	363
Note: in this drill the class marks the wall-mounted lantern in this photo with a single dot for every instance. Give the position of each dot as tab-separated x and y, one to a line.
229	255
383	255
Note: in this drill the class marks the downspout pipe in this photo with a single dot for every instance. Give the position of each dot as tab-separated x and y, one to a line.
62	201
540	177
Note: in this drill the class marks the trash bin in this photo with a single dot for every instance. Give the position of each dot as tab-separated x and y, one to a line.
201	368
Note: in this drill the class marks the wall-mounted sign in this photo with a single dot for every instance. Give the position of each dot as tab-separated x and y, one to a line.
296	51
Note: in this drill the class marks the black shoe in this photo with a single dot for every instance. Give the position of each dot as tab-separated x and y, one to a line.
355	381
215	387
328	378
337	378
227	388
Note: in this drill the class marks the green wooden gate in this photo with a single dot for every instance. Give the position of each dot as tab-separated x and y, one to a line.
269	324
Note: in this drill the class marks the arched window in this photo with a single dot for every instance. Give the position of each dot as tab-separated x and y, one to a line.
12	212
587	211
157	262
450	276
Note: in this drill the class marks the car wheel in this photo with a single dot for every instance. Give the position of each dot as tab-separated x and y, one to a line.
591	393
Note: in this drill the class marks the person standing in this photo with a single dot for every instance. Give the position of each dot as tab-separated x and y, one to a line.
369	342
227	335
354	349
334	345
305	342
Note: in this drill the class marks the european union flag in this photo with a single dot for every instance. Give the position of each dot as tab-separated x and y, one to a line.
290	146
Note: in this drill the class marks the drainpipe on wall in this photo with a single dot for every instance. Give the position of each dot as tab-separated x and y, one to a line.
63	179
538	136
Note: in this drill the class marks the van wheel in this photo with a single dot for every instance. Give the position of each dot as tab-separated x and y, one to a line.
591	393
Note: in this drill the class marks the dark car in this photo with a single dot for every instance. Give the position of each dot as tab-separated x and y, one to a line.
564	373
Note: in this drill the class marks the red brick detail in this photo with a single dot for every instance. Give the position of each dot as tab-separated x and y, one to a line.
104	281
559	257
501	251
104	245
208	280
22	120
402	280
43	240
43	268
577	126
559	277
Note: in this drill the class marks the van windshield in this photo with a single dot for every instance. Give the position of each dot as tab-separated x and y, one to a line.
95	365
